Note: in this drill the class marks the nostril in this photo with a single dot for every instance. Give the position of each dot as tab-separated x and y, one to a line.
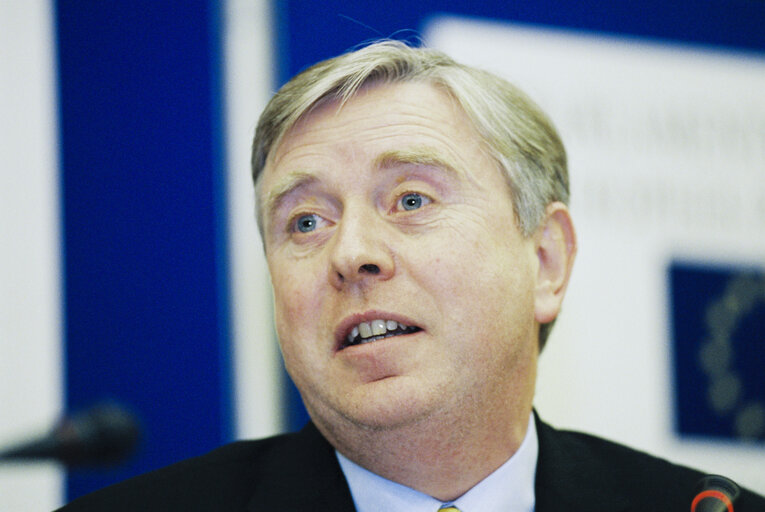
369	268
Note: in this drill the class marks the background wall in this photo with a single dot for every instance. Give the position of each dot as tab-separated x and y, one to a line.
131	268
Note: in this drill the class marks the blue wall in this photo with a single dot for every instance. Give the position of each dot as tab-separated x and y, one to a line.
311	31
146	313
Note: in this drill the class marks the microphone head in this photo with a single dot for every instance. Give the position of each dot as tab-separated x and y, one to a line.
104	435
715	493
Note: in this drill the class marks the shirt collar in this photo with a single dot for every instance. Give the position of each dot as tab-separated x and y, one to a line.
510	488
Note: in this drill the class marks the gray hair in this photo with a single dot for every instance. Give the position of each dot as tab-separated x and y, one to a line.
518	135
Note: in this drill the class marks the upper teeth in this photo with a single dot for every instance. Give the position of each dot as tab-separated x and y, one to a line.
374	328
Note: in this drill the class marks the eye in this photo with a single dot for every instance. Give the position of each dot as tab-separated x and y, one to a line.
413	201
306	223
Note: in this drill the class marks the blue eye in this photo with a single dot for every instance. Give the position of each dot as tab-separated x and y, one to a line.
411	201
306	223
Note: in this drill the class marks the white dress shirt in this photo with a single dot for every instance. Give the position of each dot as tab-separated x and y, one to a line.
510	488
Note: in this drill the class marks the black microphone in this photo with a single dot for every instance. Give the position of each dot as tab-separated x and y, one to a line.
104	435
715	493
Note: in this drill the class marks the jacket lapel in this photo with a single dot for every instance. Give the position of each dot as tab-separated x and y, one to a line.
570	478
303	476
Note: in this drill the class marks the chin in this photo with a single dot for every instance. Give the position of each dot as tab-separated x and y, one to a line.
392	409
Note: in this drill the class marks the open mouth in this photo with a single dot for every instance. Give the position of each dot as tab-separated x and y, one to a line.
367	332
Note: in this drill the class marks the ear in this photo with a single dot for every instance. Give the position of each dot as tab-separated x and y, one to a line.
555	241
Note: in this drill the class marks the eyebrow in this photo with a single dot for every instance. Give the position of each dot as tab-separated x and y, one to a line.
283	188
417	156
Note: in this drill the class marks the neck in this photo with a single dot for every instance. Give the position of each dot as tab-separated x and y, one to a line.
442	457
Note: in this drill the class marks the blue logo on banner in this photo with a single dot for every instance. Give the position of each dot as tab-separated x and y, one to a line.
718	328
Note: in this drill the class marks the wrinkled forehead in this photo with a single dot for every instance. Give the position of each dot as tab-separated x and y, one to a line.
396	96
420	104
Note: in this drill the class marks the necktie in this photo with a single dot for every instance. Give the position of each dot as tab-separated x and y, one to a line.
448	509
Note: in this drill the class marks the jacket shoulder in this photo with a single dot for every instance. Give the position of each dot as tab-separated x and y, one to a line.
220	479
592	468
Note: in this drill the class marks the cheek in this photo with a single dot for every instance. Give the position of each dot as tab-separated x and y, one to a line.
293	327
474	263
295	303
483	284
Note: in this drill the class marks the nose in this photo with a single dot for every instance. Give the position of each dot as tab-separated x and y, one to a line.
360	254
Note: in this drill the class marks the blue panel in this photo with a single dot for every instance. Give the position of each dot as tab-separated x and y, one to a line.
718	333
313	31
310	31
144	227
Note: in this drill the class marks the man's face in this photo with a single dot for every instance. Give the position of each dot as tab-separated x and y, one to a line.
384	218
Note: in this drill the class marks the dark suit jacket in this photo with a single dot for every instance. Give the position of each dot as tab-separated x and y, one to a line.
299	472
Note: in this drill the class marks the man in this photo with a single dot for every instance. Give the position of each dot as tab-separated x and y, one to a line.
413	213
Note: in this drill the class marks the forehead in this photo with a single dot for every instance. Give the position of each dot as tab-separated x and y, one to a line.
400	116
